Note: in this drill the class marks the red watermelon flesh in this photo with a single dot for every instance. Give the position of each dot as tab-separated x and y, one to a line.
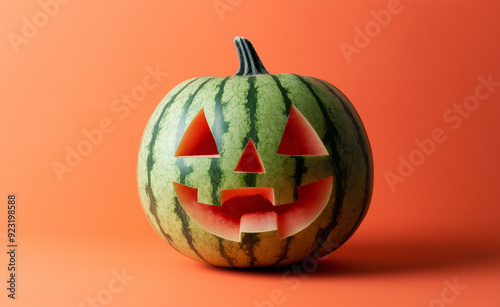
254	210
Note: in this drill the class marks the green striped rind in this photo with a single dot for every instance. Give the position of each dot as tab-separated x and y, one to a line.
355	170
239	109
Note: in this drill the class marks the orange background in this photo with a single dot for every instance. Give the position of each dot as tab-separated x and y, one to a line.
439	226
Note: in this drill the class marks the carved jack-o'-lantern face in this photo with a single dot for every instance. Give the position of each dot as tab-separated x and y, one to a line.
255	169
253	209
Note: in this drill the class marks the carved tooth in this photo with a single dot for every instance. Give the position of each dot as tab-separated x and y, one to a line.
259	222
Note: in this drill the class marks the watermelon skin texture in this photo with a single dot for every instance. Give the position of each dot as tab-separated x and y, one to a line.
237	109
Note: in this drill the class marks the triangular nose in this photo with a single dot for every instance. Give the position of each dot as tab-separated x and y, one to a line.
250	161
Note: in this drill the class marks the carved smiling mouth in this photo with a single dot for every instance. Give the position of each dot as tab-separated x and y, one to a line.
253	210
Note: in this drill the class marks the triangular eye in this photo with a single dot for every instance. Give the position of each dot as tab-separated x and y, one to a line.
299	138
198	140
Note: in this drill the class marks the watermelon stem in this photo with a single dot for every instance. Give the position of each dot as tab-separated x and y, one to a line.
250	63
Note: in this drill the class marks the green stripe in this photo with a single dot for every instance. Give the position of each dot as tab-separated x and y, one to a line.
223	253
284	252
184	171
186	231
300	168
360	132
284	93
251	106
219	127
234	100
152	209
248	242
150	163
338	170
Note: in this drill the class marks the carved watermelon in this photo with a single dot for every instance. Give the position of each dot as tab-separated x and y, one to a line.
255	169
